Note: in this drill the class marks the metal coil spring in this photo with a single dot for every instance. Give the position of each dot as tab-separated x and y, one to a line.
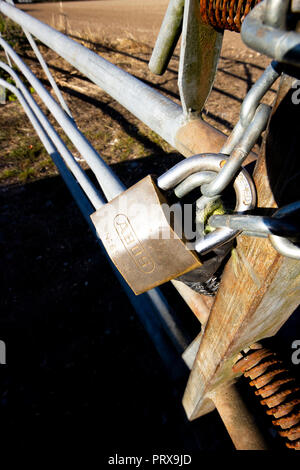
278	390
226	14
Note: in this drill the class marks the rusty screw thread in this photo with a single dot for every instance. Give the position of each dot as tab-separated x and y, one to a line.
226	14
278	390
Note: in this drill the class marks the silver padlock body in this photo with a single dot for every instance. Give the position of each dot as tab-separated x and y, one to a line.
136	231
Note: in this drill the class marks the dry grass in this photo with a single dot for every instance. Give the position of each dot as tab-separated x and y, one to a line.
113	132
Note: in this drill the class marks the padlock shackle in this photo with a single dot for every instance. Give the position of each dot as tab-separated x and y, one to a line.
243	186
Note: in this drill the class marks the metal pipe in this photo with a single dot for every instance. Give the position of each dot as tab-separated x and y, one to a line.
80	198
149	305
108	181
284	46
239	423
7	56
137	302
47	72
158	112
276	13
75	168
44	67
167	38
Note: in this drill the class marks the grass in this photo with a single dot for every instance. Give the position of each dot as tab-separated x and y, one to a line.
13	34
26	175
26	161
8	173
27	151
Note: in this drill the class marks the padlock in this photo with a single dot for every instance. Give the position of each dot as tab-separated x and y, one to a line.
215	247
141	240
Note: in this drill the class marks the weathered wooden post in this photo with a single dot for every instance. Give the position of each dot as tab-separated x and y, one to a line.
260	289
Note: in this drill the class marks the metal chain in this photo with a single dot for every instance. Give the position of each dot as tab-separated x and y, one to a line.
281	229
214	172
252	122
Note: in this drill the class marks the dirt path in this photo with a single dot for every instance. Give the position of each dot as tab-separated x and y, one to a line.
136	19
115	18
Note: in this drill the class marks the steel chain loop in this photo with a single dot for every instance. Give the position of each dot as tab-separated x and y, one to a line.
212	173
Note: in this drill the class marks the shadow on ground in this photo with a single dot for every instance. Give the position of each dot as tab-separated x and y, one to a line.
81	369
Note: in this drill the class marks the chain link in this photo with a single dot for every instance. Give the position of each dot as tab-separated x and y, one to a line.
212	179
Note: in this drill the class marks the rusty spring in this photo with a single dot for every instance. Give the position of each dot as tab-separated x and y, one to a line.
226	14
278	390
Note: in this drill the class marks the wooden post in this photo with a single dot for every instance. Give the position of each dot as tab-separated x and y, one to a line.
260	289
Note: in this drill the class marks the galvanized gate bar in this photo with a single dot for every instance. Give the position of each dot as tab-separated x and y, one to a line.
81	200
194	136
81	178
151	307
152	301
45	67
282	45
109	182
158	112
260	289
167	38
47	72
